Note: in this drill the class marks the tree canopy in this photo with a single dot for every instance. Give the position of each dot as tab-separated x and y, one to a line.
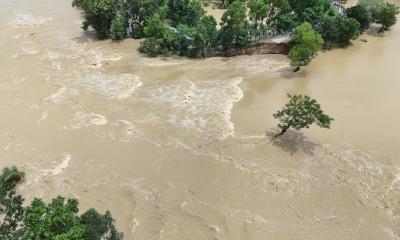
301	112
387	15
57	220
306	42
182	27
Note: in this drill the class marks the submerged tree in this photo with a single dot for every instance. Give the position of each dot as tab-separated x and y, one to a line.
301	112
387	15
98	14
361	14
305	43
57	220
339	31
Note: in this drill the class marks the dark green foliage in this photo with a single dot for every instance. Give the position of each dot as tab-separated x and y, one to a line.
312	10
225	3
204	37
160	37
118	31
258	10
58	220
98	14
373	7
188	12
339	31
361	14
181	26
286	22
99	226
11	209
234	26
387	15
301	112
305	44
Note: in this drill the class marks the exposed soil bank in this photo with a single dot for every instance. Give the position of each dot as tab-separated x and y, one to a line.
258	48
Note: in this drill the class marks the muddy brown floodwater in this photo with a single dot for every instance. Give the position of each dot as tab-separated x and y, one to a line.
180	149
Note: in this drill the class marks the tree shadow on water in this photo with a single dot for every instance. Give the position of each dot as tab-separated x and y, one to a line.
291	142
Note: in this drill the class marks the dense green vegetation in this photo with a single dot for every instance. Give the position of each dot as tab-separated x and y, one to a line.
301	112
306	43
182	27
57	220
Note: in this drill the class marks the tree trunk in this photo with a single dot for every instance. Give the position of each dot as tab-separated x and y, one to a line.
282	131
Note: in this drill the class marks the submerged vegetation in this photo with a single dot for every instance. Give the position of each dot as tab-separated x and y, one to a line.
182	27
57	220
301	112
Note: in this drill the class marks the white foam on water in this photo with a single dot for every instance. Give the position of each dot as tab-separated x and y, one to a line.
204	106
247	216
58	96
113	86
139	185
58	168
55	58
124	131
27	48
43	117
61	94
262	65
87	56
157	62
84	120
26	20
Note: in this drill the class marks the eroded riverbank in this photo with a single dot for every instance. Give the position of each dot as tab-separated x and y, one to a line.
180	149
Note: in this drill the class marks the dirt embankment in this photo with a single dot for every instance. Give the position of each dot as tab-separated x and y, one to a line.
258	48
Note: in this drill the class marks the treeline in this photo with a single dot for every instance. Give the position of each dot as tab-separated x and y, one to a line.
337	28
182	27
57	220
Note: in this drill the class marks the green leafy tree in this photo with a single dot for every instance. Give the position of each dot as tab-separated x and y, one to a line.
286	22
312	10
258	10
205	37
137	11
118	30
225	3
278	8
188	12
373	7
361	14
11	209
58	220
98	14
387	15
160	37
305	43
301	112
339	31
234	26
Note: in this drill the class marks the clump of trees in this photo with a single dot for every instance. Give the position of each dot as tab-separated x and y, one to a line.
301	112
57	220
182	27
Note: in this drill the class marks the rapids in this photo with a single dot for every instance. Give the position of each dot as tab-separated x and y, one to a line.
182	149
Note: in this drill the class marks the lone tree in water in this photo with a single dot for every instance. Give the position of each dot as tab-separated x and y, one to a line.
301	112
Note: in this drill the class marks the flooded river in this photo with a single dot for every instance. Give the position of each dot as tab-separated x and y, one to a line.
181	149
